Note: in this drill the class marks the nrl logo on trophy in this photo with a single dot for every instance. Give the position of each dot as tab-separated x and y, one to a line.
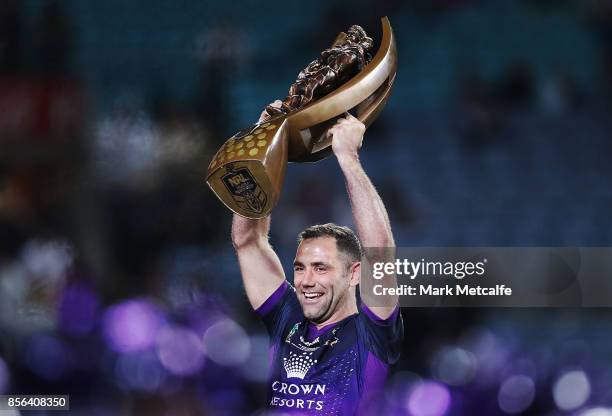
247	194
247	172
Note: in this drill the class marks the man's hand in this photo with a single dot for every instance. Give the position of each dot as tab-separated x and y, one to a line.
347	135
262	272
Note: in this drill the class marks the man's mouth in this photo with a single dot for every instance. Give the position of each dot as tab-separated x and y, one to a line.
312	297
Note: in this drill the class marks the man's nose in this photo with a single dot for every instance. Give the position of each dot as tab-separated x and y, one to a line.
308	278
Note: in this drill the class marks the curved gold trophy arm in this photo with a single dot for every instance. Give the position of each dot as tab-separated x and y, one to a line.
367	93
247	172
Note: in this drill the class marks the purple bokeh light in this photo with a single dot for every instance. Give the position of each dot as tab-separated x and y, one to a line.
489	352
139	371
180	350
596	411
400	386
257	366
516	394
226	343
571	390
78	309
454	366
46	356
429	399
132	325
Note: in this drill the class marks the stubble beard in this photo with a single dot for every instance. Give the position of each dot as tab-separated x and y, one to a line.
325	310
320	314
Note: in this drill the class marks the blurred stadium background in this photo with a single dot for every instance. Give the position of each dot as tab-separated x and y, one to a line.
118	284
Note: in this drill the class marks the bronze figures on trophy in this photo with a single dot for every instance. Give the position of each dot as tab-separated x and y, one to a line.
336	65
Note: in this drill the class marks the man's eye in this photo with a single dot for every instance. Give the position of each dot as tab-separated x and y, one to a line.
298	268
320	268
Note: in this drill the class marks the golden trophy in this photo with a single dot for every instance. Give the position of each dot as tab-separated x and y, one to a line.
247	172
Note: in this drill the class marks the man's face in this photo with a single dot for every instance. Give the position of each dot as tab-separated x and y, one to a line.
321	278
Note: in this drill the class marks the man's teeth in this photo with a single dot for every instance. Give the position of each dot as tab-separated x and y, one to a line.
312	295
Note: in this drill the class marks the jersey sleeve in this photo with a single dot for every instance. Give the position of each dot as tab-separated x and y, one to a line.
280	310
383	337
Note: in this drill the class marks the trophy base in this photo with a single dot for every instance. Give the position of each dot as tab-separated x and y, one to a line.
244	188
247	173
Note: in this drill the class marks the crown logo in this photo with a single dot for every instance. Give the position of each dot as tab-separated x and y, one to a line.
297	365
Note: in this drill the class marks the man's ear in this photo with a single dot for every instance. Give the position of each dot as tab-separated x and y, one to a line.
355	273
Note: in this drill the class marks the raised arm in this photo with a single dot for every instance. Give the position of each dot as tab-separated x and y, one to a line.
369	212
262	272
261	269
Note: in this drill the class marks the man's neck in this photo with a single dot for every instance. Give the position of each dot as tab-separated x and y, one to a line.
338	316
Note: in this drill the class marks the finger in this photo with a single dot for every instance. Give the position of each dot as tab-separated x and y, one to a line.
349	119
277	103
355	121
330	132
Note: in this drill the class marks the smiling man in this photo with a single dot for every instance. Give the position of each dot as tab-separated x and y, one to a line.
330	351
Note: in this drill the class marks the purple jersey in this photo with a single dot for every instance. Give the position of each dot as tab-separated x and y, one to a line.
327	371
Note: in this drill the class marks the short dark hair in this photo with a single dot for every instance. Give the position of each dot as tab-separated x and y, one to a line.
346	240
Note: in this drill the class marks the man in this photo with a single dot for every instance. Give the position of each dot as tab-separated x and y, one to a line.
329	352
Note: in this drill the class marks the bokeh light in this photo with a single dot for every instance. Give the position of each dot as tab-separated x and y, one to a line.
516	394
489	353
226	343
139	371
429	399
132	325
48	259
256	367
78	309
454	366
571	390
401	385
126	143
46	356
596	411
180	350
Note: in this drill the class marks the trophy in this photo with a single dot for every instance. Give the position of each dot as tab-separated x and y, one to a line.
247	172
